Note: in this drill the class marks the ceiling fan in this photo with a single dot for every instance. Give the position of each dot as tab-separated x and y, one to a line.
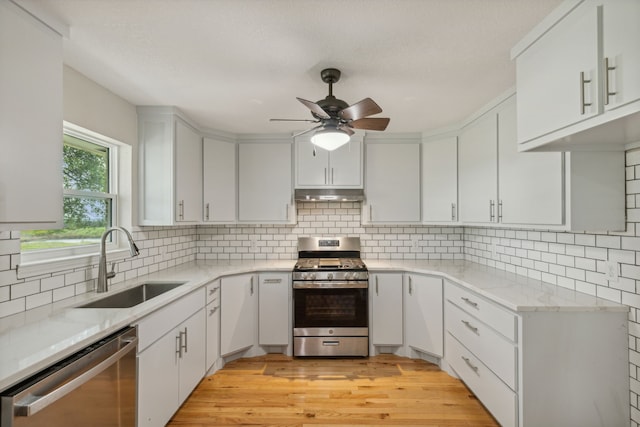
337	119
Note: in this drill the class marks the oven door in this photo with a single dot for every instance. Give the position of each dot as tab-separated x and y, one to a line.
330	308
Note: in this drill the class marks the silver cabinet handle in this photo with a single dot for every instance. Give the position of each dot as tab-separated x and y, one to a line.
469	364
286	207
181	209
212	311
332	176
179	345
468	301
206	215
453	211
492	206
213	290
251	285
583	82
607	87
410	286
499	211
377	293
370	213
470	326
272	281
183	345
325	176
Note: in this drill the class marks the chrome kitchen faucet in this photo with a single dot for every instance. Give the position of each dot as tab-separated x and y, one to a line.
102	267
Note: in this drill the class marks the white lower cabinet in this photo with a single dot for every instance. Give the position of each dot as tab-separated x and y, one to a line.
423	314
171	358
386	327
539	368
239	306
274	309
213	324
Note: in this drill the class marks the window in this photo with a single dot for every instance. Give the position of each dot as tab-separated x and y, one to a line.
90	199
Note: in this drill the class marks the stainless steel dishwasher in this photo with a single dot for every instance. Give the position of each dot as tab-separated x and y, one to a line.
94	387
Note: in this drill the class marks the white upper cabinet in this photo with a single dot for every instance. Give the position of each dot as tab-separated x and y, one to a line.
265	182
392	182
219	181
319	168
170	172
31	122
440	180
530	185
577	76
478	166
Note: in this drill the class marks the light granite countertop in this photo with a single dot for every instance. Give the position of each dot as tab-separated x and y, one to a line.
33	340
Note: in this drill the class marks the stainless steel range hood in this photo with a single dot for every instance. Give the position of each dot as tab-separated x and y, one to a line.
329	195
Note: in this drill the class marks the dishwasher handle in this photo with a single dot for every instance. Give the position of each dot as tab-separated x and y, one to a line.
32	404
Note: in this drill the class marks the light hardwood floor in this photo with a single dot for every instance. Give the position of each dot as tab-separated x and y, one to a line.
276	390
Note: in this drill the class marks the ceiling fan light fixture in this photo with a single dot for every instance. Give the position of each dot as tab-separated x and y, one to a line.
330	138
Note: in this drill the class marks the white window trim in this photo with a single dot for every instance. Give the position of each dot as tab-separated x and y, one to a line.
43	262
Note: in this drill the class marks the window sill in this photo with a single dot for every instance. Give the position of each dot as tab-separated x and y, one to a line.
37	268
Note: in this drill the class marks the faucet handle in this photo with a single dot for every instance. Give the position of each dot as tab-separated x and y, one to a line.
112	273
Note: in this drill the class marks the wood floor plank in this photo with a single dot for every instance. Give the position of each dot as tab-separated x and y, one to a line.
276	390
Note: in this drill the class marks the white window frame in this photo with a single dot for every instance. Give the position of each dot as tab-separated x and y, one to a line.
45	261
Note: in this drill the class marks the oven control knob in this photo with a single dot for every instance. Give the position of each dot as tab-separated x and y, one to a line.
330	276
330	331
347	276
312	276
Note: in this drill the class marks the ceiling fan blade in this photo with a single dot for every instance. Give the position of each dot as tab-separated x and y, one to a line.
371	123
315	108
294	120
306	131
361	109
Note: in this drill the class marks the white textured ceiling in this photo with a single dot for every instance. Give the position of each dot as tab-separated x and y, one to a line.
231	65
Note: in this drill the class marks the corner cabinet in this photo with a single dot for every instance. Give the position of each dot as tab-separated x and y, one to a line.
31	122
239	307
171	358
440	180
319	168
219	181
170	172
265	184
423	317
392	182
577	72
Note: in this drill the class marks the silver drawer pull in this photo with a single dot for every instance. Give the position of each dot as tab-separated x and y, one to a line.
469	364
468	301
212	311
272	281
332	343
468	325
214	290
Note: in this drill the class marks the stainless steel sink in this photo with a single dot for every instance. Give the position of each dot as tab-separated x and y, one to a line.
133	296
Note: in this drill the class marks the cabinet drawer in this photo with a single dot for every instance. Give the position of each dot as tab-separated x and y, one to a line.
213	293
494	350
498	318
493	393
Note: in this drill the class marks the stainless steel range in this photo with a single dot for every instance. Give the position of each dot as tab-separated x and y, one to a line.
330	298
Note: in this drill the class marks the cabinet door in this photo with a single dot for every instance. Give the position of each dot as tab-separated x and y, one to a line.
478	170
530	184
188	163
312	164
237	314
440	180
265	182
621	46
219	180
345	165
392	176
423	314
274	309
31	122
193	359
548	74
387	309
213	334
158	375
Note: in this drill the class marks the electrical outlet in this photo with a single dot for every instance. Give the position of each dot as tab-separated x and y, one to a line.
612	270
253	242
414	241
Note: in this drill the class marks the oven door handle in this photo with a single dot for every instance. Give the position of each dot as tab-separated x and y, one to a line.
331	285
